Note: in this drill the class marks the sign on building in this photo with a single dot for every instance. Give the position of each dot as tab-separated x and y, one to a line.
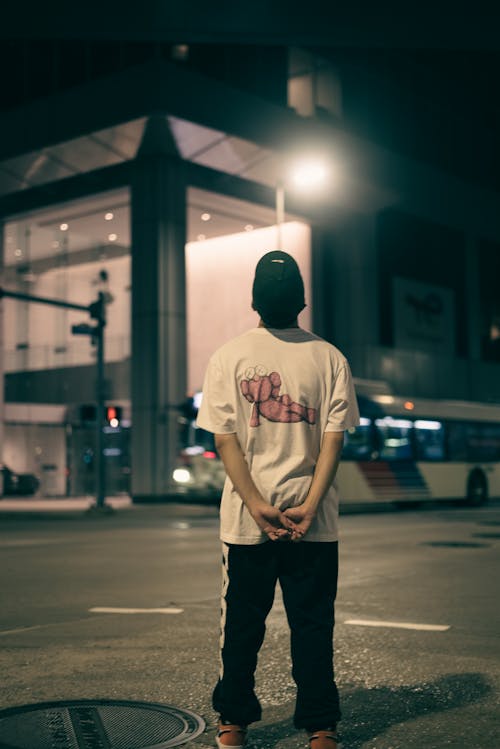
424	316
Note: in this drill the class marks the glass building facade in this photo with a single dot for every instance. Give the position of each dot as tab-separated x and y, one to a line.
71	252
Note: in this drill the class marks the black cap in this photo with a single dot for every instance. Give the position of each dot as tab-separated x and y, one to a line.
278	289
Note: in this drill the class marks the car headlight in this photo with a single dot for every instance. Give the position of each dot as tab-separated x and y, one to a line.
181	475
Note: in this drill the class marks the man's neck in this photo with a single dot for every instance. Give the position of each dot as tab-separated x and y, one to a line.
294	324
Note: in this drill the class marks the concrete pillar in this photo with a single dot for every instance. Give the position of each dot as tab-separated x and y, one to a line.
352	283
158	376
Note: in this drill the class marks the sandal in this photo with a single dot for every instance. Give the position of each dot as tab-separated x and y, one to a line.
231	736
323	740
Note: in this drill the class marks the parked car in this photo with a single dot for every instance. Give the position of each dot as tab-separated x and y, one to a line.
18	484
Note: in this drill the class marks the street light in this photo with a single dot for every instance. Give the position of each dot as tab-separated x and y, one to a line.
306	174
310	173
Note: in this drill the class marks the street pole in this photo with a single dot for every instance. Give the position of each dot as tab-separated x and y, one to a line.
280	211
100	316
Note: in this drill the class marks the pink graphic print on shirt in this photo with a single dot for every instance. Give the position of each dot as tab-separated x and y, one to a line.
263	391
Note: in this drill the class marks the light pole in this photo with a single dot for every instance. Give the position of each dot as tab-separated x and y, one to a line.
306	174
280	211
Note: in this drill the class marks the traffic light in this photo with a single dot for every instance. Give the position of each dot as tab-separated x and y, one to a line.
97	309
87	413
113	415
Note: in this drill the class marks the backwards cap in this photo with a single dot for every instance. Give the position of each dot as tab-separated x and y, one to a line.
278	289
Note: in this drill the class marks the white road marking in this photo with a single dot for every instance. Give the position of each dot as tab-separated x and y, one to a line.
109	610
45	626
398	625
97	610
22	629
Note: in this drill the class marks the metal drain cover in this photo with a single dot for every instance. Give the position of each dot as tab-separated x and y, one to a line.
97	724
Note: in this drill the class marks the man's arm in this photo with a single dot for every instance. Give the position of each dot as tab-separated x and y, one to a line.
324	474
269	519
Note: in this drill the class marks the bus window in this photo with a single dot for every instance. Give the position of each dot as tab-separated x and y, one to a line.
429	439
357	441
474	442
457	441
394	437
483	442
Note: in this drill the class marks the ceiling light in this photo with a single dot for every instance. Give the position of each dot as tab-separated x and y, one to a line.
109	216
205	217
112	237
249	227
201	237
18	252
64	227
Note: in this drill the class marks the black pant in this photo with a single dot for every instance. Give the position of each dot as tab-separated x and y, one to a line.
307	572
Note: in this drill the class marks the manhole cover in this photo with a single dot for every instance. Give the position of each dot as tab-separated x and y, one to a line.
455	544
97	724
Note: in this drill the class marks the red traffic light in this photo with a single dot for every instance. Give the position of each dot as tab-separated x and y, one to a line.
113	415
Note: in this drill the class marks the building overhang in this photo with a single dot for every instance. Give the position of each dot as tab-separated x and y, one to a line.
231	132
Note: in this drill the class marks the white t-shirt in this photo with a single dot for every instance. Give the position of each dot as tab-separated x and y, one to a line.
278	390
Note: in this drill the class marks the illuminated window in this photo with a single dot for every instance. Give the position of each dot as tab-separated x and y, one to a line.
394	437
429	440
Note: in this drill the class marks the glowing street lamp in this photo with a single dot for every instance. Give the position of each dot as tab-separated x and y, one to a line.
306	174
309	174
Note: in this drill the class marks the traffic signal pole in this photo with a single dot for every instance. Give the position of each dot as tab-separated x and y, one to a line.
97	311
42	300
100	316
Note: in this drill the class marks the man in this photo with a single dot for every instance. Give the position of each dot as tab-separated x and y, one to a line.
278	400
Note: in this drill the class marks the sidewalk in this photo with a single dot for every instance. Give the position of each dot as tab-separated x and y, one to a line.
59	504
65	505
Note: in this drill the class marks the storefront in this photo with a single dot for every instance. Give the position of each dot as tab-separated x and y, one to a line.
73	250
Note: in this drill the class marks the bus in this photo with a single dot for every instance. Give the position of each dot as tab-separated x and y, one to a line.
412	450
405	450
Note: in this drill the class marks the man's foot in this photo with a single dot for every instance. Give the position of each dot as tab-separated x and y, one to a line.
231	736
323	740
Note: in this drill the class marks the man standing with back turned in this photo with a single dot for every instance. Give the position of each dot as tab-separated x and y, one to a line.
278	400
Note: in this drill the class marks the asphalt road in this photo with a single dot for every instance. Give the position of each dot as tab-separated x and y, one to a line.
401	688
